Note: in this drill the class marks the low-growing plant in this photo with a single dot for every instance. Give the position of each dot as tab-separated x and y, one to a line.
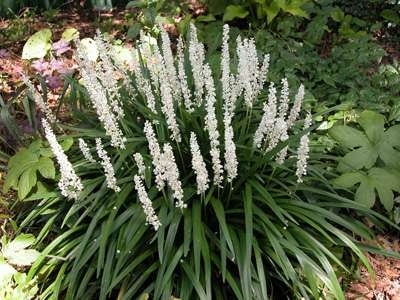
187	183
373	161
14	284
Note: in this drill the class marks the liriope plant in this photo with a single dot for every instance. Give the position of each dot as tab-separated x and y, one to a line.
187	182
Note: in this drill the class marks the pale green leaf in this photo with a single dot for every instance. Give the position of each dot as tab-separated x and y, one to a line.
70	34
46	168
19	163
37	45
23	257
271	11
26	183
19	243
373	124
235	11
67	143
348	136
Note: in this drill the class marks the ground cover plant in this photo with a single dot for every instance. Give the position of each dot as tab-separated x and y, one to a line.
186	179
344	71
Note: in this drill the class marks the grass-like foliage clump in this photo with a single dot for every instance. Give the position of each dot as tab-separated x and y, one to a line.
188	179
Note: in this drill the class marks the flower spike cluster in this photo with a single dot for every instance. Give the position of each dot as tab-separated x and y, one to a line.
198	165
180	88
70	184
151	217
107	166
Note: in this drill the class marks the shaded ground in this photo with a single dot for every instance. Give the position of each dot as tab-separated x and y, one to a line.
386	284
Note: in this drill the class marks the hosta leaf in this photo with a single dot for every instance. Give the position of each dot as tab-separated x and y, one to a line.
46	168
358	159
37	45
26	183
235	11
69	34
365	193
347	180
392	135
348	136
373	124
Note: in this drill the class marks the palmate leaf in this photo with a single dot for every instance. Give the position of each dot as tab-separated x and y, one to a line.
376	142
348	137
373	124
377	180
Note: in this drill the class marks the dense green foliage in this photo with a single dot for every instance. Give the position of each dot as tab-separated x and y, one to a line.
262	236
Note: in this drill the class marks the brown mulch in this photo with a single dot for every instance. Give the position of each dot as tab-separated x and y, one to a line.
385	285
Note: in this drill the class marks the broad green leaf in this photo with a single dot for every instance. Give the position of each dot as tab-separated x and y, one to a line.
365	193
271	11
385	197
46	168
373	124
294	7
67	143
348	136
385	178
70	34
90	49
235	11
26	183
348	180
19	163
388	154
392	135
22	157
37	45
358	159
